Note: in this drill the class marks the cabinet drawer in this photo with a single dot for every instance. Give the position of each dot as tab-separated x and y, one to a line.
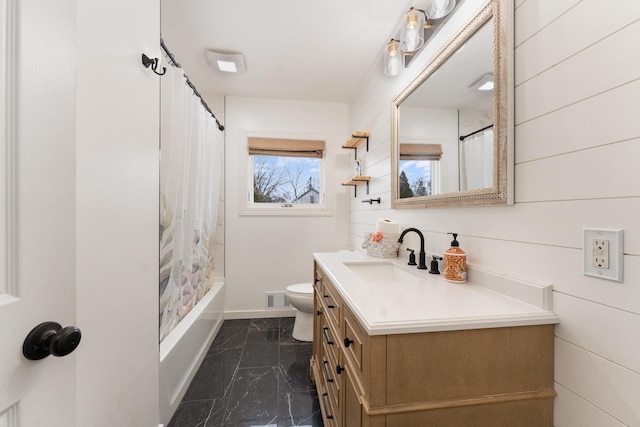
317	280
329	341
318	320
332	380
332	303
329	415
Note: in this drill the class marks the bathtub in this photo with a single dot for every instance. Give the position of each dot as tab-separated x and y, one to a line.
183	350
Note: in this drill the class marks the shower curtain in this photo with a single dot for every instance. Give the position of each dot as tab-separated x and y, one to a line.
476	161
190	177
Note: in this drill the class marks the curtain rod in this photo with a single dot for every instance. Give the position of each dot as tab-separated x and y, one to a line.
189	83
473	133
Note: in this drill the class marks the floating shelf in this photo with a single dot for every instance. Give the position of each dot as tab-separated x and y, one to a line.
356	139
355	181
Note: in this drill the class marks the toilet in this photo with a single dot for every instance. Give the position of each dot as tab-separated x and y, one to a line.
300	297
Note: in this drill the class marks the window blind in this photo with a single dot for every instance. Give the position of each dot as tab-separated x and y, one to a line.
286	147
420	151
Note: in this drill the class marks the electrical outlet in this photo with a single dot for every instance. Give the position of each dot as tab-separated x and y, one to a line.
600	253
603	253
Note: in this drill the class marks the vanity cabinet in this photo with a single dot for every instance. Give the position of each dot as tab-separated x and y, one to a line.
326	368
492	377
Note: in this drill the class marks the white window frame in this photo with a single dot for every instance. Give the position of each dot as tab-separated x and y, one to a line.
246	205
435	178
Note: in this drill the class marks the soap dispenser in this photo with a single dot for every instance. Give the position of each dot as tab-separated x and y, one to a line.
455	262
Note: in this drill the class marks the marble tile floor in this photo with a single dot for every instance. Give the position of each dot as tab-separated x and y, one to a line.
254	375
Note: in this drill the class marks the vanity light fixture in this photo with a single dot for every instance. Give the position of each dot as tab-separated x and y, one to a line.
230	63
484	83
412	33
440	8
412	30
393	61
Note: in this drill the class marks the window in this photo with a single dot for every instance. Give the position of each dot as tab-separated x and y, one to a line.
418	174
285	173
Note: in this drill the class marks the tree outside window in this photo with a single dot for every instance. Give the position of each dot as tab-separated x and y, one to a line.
415	178
282	179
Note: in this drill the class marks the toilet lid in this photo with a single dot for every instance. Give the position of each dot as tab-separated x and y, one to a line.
301	288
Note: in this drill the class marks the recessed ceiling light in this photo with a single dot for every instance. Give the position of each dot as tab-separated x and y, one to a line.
486	86
227	66
484	83
232	63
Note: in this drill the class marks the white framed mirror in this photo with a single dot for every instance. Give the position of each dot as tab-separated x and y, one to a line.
451	133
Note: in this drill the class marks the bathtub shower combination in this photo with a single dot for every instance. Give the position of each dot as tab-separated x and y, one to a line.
182	351
191	303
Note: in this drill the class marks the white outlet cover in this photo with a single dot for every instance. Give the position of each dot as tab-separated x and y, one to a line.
616	253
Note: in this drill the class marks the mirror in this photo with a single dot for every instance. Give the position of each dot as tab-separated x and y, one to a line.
452	135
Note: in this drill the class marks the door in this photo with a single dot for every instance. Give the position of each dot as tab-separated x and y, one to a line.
37	205
352	405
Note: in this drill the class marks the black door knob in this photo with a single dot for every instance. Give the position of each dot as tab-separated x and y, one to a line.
50	338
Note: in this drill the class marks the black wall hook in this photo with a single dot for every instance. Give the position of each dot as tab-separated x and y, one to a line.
153	63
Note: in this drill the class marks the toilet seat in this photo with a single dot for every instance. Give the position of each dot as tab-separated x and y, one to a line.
304	289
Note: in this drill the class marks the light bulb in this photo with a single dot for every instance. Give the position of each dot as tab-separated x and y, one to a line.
412	41
440	8
484	83
392	58
412	21
412	33
228	66
393	48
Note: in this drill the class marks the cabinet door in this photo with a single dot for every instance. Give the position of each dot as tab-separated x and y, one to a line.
354	341
352	408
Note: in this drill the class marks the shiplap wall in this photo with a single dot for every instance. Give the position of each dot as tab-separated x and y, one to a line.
577	147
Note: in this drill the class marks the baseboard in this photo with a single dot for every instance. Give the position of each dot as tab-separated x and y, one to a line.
258	314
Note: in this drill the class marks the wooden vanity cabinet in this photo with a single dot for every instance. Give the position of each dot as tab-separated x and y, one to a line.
326	368
489	377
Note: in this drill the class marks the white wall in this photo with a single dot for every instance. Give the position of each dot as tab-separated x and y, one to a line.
435	126
117	187
577	142
267	253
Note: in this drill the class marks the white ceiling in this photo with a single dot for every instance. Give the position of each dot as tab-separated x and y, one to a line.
293	49
450	85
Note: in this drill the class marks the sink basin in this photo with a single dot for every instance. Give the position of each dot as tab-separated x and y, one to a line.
382	272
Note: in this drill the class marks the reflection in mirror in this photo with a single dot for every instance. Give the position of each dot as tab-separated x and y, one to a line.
445	108
449	127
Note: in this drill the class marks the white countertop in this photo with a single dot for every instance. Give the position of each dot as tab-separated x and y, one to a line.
429	303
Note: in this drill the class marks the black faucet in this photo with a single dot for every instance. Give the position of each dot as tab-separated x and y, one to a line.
422	264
